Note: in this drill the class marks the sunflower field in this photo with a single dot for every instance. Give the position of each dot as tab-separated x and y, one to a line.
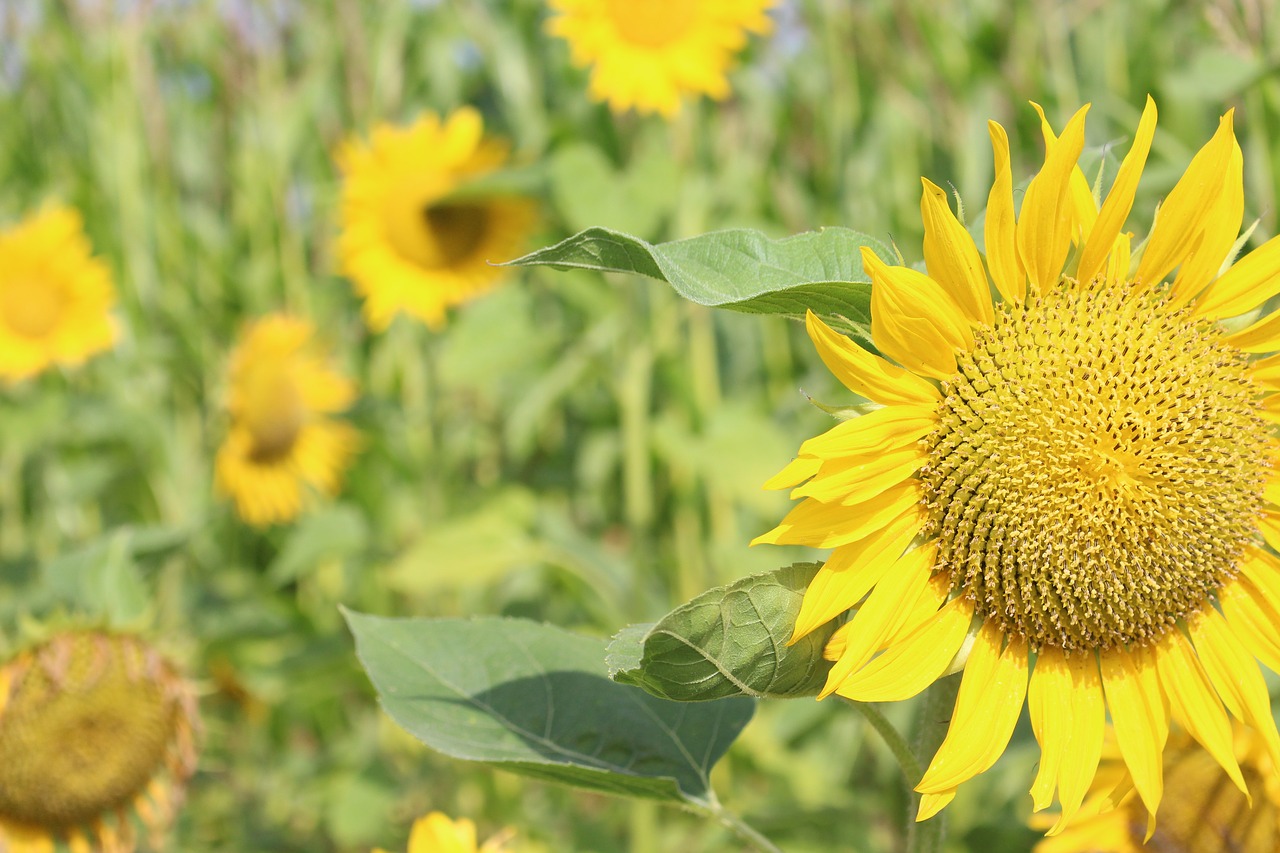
492	425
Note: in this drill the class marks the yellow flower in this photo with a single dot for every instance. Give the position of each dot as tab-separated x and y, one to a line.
55	297
1081	470
279	439
407	242
94	727
437	833
1201	811
648	53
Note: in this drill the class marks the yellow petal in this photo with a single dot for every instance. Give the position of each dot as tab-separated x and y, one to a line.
1266	372
1193	702
1084	209
859	478
951	257
797	471
1262	336
884	429
931	804
1068	717
1182	216
1235	675
1139	716
1217	239
1252	620
885	608
998	231
853	570
1249	282
1118	262
913	320
914	662
987	707
866	374
820	525
1115	210
1045	222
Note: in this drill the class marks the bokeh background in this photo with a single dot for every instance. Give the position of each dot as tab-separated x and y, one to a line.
570	448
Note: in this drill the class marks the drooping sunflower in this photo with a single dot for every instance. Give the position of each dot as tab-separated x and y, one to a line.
1075	479
281	438
438	833
55	296
646	54
408	242
96	730
1202	811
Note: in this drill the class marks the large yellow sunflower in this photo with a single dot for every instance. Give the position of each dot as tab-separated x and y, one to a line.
280	438
646	54
438	833
1202	811
407	243
95	729
1077	479
55	297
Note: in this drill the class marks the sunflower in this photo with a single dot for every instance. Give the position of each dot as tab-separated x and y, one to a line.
438	833
55	297
409	243
1202	811
646	54
95	729
279	438
1075	482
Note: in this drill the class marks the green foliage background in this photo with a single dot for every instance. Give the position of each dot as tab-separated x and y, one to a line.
573	449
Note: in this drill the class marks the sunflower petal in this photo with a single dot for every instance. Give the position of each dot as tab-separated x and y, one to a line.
1218	237
1235	675
987	708
913	320
999	230
889	428
1252	619
1084	208
820	525
1140	718
951	257
852	570
886	608
865	374
931	804
1068	716
1045	223
856	479
1249	282
1194	703
1262	336
914	662
1182	216
1115	210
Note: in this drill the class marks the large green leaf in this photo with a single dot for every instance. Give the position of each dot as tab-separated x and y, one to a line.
739	269
536	700
729	641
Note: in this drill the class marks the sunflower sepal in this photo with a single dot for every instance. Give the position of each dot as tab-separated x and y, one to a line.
733	640
739	269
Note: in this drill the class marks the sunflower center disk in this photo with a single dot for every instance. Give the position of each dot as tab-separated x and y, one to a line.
83	733
1097	470
274	413
653	23
456	231
30	309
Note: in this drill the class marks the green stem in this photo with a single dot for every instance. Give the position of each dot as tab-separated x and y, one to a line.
897	744
931	728
741	829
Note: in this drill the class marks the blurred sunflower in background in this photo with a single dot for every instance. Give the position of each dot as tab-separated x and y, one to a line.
1202	810
438	833
1081	470
409	241
645	55
97	731
281	439
55	296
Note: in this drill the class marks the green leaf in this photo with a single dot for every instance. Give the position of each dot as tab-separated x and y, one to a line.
738	269
729	641
536	700
333	533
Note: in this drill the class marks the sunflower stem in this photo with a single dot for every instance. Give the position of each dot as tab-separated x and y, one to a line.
742	829
893	739
930	729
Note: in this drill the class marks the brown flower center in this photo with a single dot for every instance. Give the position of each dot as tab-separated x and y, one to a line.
1097	470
